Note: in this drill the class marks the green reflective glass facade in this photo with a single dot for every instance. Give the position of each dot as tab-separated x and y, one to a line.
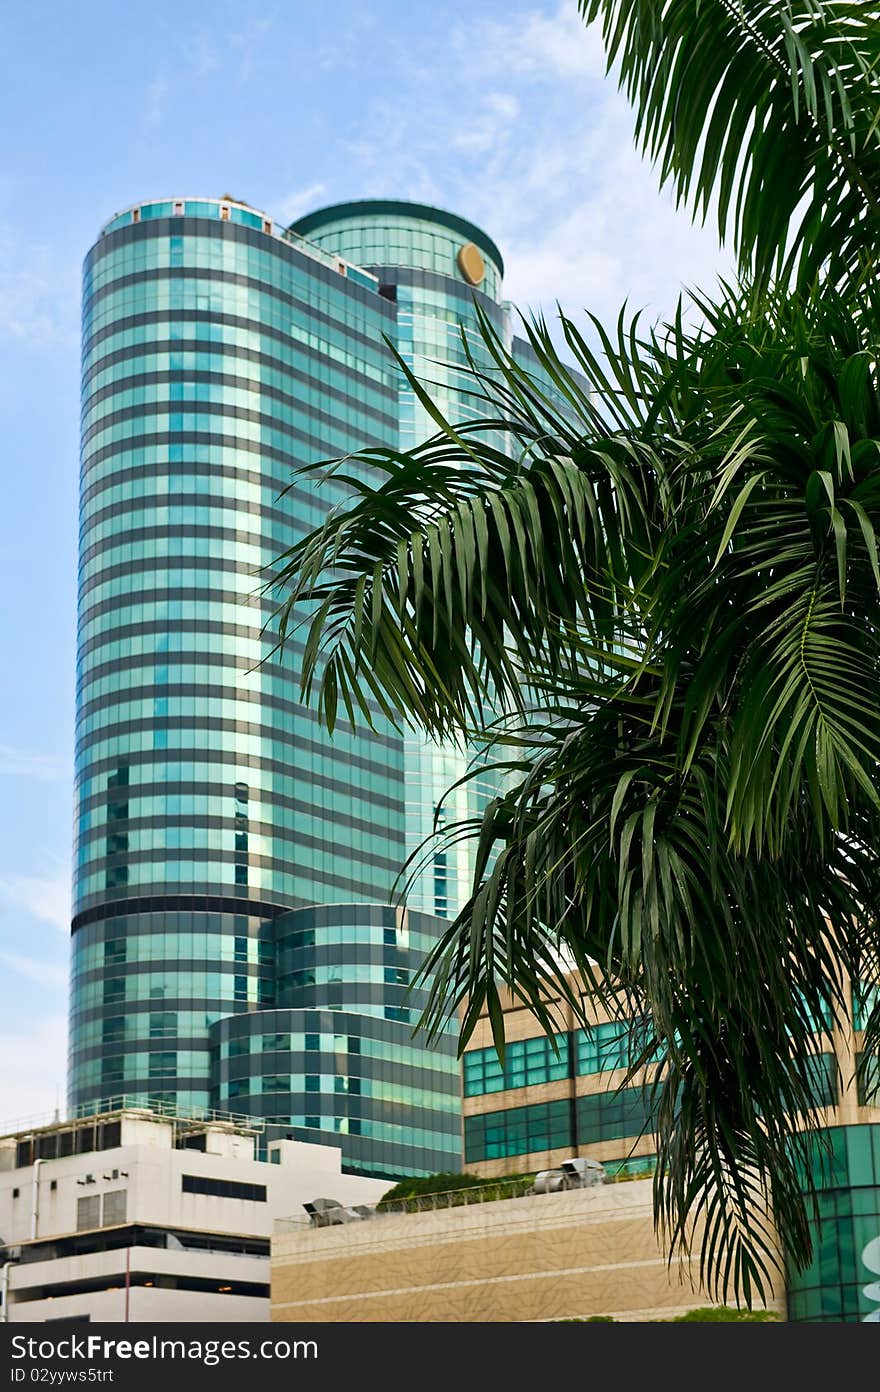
220	354
842	1282
413	251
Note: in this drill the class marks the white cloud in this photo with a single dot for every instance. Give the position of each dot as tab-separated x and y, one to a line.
23	763
155	96
491	127
34	1087
536	44
48	974
45	897
247	44
38	293
302	200
574	207
543	158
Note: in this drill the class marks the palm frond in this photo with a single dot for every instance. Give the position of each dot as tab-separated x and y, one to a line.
768	108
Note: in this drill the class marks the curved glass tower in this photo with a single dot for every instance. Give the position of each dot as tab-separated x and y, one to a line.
235	866
436	268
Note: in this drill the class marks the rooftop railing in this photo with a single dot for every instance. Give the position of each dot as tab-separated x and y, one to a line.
132	1102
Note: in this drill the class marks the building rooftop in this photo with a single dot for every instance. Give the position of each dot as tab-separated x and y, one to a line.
393	207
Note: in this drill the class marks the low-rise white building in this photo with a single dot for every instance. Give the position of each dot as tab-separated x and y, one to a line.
135	1216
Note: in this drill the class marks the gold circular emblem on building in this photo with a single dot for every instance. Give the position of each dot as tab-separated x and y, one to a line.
471	263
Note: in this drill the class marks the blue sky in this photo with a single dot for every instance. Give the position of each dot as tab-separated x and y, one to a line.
498	110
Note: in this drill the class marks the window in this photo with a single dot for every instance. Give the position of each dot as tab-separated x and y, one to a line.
612	1115
223	1188
869	1082
526	1062
518	1131
163	1065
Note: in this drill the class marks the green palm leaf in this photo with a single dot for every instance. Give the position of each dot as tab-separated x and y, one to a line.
767	108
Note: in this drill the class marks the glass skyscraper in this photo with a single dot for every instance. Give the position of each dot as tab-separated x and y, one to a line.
235	940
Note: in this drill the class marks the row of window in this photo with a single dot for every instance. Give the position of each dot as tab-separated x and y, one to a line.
359	369
83	1015
188	1101
240	491
271	267
300	373
157	938
291	442
403	1056
223	1188
169	529
196	738
528	1062
225	377
187	1065
420	248
251	707
138	1025
276	262
585	1120
175	645
226	255
256	303
443	1146
319	838
320	831
262	776
198	878
348	972
261	815
314	413
556	1125
235	619
174	985
375	1090
132	827
169	947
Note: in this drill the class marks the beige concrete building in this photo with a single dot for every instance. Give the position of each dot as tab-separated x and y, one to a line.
548	1256
583	1252
545	1105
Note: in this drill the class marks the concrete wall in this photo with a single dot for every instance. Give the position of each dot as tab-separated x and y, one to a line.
542	1257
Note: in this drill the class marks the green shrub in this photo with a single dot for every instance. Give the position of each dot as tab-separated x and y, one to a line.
707	1314
407	1196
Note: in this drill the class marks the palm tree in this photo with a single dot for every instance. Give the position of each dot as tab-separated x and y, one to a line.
660	604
